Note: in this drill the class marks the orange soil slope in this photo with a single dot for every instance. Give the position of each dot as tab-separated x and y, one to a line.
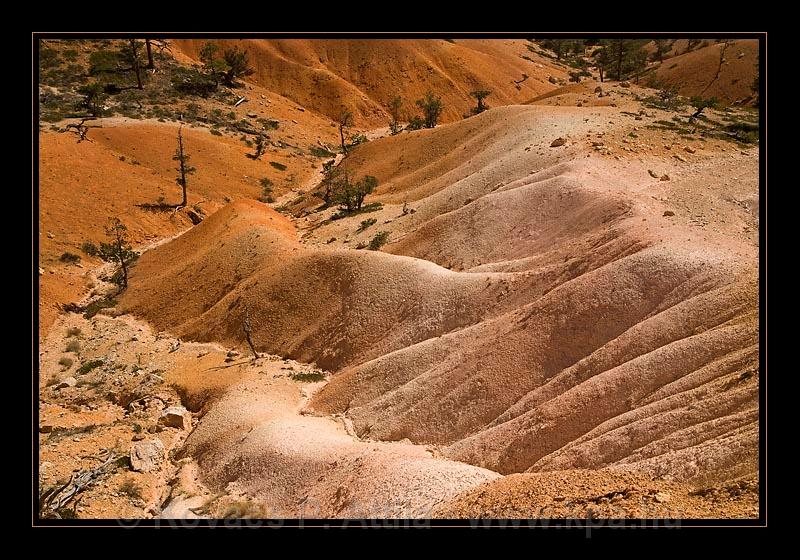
129	162
585	330
329	76
724	71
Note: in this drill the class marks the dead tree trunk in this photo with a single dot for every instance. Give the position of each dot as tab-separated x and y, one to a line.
247	327
341	135
136	68
150	64
182	166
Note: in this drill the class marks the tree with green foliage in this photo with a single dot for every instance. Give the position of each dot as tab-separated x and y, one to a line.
621	57
135	63
480	95
183	169
700	104
330	175
259	148
432	107
118	250
350	196
662	47
394	110
345	121
237	66
93	98
226	65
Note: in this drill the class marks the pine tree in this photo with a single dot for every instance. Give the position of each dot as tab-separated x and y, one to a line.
432	107
184	169
119	250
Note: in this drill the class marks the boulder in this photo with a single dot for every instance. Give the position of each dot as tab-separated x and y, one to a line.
68	382
665	177
176	417
147	456
669	213
558	142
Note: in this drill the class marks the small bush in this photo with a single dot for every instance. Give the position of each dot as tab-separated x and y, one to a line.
89	366
131	489
366	223
278	166
216	132
312	377
66	362
73	346
317	151
378	241
73	331
415	123
71	258
94	307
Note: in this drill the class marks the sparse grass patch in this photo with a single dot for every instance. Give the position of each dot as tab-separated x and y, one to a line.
73	331
278	166
131	489
66	362
73	346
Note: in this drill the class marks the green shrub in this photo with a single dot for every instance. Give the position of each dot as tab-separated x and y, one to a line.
317	151
71	258
89	366
311	377
94	307
366	223
378	241
73	346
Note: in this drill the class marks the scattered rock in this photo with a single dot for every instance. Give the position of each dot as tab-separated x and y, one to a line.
252	115
50	235
665	177
294	121
68	382
558	142
599	90
625	84
690	149
669	213
637	118
176	417
41	271
232	353
45	429
661	497
652	173
679	158
552	80
147	456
